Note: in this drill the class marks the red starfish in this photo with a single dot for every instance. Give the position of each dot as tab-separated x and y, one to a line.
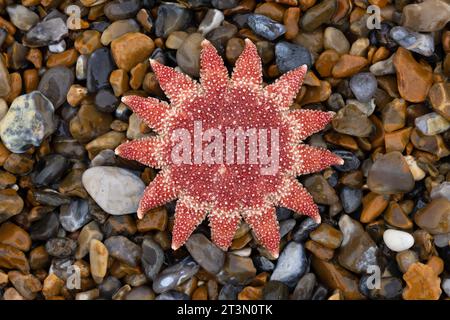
227	190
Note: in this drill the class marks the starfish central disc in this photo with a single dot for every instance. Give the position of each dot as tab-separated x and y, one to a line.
228	148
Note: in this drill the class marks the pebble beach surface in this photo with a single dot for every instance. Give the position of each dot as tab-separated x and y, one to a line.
68	224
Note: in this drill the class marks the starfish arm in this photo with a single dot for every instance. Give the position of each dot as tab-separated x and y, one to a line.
265	226
159	192
176	85
308	159
213	73
148	151
186	220
297	198
152	111
223	228
307	122
284	90
248	69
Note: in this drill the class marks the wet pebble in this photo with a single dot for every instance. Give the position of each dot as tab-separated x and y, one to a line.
123	250
175	275
291	264
265	27
152	258
398	240
205	253
55	84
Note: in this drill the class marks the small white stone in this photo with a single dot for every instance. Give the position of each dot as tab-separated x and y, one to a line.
117	191
417	172
398	240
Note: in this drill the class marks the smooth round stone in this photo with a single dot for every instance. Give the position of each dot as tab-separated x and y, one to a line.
351	199
61	247
363	86
124	250
75	215
205	253
398	240
106	101
427	16
431	124
46	32
50	169
171	17
352	121
15	236
22	17
26	284
175	275
291	264
413	41
98	260
224	4
188	55
334	39
275	290
81	67
383	68
29	120
265	27
152	258
305	287
121	9
351	161
130	49
99	66
390	174
117	191
435	216
109	287
141	293
290	56
212	20
301	233
319	14
45	228
118	29
55	84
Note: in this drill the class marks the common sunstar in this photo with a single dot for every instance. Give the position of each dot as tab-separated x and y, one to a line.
228	192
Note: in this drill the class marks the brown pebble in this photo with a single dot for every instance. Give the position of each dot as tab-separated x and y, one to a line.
321	252
52	286
326	61
137	75
422	283
76	94
290	21
88	41
155	219
39	258
119	81
12	258
15	236
348	65
67	58
16	87
373	205
130	49
20	164
35	57
30	80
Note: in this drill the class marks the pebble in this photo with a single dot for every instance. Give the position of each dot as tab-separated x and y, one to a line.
22	17
130	49
74	215
121	9
327	236
224	4
52	286
11	204
335	40
152	258
321	190
98	260
439	96
55	84
305	287
5	86
123	250
275	290
431	124
351	161
352	121
188	55
89	232
357	251
109	287
89	123
118	29
99	66
46	32
427	16
81	67
237	270
45	228
212	20
106	101
398	240
50	169
171	17
175	275
29	120
141	293
290	56
413	79
117	191
390	289
441	191
26	284
319	14
363	86
413	41
61	247
422	283
348	65
172	295
291	264
435	216
390	174
383	68
205	253
351	199
265	27
301	233
14	236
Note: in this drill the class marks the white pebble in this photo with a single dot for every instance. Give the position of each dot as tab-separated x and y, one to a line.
398	240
